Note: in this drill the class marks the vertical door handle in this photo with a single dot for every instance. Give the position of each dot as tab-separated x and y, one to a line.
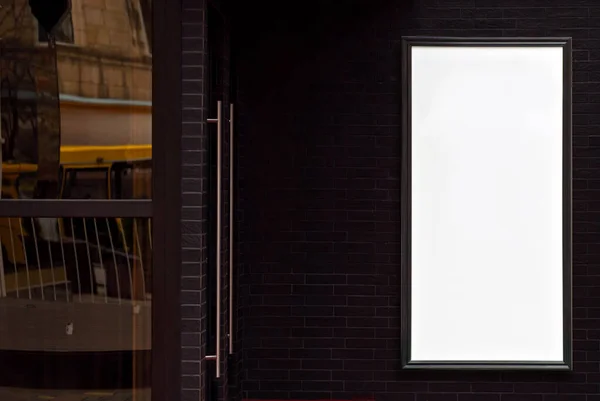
217	356
231	219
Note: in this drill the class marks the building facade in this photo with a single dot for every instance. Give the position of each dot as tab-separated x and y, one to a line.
228	180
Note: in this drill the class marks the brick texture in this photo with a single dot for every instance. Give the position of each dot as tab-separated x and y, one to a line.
194	196
197	209
318	210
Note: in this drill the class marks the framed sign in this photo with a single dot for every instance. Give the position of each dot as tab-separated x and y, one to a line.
486	203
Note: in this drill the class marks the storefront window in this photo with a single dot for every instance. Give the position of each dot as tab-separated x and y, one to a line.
85	103
76	125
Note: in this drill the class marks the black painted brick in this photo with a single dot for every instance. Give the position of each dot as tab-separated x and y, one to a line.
318	212
193	235
195	212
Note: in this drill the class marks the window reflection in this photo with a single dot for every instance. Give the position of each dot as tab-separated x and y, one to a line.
76	300
63	33
87	101
75	293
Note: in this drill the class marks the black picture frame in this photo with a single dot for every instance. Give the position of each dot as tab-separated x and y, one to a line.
407	44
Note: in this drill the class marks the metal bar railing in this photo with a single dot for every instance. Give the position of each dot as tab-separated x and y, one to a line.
14	253
95	267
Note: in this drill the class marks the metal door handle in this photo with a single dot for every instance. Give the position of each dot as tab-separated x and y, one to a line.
217	356
231	228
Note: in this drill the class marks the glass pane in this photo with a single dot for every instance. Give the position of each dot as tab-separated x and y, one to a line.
80	103
75	307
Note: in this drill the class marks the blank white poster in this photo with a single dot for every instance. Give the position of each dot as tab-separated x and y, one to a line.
486	198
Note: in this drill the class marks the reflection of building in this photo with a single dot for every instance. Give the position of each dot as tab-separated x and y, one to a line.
105	73
104	78
68	101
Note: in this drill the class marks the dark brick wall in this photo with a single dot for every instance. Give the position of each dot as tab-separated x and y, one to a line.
319	164
194	196
197	209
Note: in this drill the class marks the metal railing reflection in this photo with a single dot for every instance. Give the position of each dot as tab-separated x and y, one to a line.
87	260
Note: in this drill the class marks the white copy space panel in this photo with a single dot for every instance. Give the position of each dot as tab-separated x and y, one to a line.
487	221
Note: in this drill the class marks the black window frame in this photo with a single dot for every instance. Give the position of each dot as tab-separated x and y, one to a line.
406	171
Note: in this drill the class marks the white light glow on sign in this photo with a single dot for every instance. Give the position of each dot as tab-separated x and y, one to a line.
486	233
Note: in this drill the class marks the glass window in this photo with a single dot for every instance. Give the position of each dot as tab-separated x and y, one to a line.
77	305
63	33
85	103
76	126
